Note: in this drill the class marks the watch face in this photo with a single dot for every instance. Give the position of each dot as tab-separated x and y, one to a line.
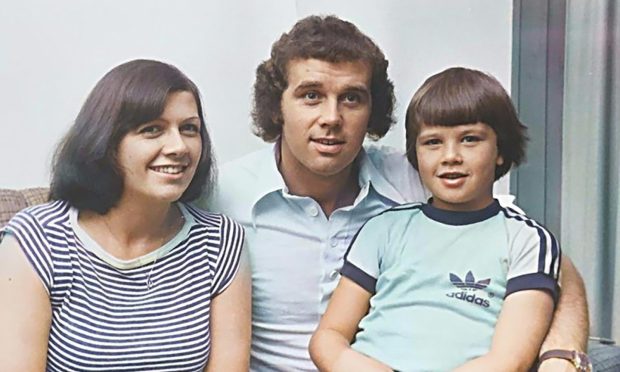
582	362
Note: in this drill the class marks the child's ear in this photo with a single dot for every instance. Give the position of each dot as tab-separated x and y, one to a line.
500	160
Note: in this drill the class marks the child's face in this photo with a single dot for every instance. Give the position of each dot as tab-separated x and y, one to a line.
457	164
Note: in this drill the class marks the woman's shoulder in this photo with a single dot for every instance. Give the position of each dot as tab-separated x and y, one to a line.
205	218
43	215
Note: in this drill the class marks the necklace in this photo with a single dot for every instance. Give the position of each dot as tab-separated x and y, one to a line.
172	228
149	281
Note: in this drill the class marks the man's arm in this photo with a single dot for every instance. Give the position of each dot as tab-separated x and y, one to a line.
570	325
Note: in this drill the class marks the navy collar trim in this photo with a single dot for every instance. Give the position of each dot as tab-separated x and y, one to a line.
457	218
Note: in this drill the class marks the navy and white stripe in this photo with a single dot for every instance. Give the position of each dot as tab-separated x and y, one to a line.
357	274
107	319
547	274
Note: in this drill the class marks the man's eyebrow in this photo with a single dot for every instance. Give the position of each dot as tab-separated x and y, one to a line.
358	88
308	85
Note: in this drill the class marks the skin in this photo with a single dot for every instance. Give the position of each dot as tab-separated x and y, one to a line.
25	320
325	110
158	160
457	164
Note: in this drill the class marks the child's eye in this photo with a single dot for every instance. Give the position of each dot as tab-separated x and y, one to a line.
431	142
471	138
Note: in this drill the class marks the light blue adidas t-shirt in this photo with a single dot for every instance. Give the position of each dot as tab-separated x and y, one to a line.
439	280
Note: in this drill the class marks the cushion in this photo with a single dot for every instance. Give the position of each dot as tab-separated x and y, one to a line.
13	201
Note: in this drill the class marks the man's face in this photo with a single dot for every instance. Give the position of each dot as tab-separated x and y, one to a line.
325	111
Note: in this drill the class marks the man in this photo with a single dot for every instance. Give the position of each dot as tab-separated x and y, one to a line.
323	90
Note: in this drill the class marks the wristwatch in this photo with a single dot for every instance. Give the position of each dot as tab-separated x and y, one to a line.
580	360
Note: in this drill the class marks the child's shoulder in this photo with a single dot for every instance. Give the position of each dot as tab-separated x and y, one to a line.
407	207
399	212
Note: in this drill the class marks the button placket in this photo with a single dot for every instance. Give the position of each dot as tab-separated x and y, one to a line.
313	211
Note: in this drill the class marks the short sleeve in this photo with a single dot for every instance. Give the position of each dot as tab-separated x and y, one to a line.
534	261
363	258
32	239
229	254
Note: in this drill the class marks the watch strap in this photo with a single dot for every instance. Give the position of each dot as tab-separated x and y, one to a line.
580	360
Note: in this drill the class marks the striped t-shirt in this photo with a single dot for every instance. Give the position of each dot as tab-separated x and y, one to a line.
146	314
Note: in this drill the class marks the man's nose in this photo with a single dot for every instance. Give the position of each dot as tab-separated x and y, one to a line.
330	112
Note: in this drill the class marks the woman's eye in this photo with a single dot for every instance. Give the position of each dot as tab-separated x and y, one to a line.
190	128
149	129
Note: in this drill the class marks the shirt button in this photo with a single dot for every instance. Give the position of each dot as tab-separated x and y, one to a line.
334	242
333	274
313	211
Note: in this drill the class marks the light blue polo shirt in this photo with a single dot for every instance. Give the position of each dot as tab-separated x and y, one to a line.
439	280
295	251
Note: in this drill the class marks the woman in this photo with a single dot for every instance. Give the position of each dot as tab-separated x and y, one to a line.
118	272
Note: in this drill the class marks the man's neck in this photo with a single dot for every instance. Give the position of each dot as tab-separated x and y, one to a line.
331	192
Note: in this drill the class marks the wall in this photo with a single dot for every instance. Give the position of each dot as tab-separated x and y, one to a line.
54	52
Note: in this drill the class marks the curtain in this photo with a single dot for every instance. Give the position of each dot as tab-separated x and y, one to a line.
591	157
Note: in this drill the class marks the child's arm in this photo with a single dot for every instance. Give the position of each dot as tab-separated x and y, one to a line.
519	332
330	346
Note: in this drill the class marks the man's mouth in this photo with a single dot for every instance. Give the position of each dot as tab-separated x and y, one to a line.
328	141
328	146
169	169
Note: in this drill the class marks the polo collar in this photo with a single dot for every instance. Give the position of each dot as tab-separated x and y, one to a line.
271	179
369	174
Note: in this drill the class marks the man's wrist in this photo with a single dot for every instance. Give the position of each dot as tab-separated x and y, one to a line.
556	365
564	360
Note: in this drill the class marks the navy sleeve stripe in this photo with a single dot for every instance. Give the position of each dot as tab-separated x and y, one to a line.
359	276
533	281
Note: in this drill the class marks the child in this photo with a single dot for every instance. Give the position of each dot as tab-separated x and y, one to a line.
461	282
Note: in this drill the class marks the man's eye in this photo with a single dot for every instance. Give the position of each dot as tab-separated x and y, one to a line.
352	97
311	95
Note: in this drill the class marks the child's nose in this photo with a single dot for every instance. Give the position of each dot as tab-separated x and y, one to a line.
452	154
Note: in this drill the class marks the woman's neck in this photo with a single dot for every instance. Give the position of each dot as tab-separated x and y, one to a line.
131	229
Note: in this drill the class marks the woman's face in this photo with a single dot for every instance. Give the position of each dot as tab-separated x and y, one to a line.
159	158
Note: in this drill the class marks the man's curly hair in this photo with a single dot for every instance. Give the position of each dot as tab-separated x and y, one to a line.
325	38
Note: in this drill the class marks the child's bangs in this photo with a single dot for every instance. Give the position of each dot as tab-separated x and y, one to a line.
450	108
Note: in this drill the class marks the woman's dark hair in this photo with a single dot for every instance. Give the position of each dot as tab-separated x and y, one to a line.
85	171
328	39
462	96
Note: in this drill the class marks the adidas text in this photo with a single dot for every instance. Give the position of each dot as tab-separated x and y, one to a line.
471	298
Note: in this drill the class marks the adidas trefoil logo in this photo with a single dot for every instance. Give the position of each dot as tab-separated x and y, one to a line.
469	285
470	282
